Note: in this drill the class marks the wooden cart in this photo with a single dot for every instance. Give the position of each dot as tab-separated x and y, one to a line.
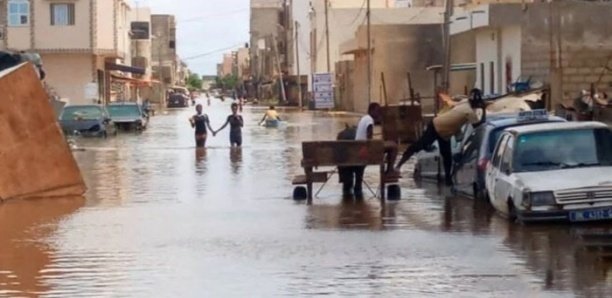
317	155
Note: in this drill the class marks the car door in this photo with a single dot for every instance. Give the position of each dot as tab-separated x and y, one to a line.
464	173
493	170
503	180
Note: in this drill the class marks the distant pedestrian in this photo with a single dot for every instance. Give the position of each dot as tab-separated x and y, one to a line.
236	123
201	123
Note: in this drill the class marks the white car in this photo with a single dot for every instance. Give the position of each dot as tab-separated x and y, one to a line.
553	171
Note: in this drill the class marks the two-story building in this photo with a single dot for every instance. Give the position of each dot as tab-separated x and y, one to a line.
80	42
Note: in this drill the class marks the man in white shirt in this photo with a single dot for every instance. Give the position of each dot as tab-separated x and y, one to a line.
444	126
365	131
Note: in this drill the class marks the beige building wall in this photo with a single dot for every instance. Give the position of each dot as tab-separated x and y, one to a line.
55	37
122	25
399	49
227	64
18	38
343	23
104	37
69	85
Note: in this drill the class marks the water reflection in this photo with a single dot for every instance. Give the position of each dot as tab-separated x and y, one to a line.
348	214
236	159
24	226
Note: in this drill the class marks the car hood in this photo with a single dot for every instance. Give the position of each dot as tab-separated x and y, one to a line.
72	125
566	179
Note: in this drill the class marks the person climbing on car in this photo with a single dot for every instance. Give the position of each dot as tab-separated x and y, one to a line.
444	126
200	122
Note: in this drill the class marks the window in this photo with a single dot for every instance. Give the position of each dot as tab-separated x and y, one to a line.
500	151
62	14
492	76
18	13
482	77
506	161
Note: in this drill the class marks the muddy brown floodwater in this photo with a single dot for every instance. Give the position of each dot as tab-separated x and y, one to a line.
161	219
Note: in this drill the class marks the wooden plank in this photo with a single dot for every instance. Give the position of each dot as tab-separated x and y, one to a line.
342	153
34	155
402	122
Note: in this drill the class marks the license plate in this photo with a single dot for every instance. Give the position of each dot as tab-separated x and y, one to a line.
591	215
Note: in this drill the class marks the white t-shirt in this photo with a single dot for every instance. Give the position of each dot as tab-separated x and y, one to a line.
362	127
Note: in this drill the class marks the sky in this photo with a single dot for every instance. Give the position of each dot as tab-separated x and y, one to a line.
205	27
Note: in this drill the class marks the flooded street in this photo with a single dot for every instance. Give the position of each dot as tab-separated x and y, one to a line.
161	219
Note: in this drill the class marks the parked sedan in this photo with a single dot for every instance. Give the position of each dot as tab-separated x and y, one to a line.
553	171
86	120
177	100
477	147
128	115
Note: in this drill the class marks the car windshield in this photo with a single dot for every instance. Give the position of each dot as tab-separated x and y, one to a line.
123	111
82	113
563	149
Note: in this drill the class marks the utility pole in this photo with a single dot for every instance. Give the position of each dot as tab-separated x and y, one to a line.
368	12
280	71
327	33
297	63
447	46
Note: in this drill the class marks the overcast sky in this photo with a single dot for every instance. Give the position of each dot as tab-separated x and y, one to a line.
205	26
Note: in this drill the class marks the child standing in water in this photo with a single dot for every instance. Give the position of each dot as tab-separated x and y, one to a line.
200	122
236	123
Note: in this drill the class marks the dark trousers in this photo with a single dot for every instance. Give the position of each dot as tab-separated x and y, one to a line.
429	137
351	178
236	138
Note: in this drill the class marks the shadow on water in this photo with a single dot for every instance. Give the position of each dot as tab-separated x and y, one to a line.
24	227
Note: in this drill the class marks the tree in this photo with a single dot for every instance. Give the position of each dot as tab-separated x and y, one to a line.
228	82
194	81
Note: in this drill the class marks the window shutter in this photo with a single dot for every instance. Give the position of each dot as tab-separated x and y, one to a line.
71	14
52	9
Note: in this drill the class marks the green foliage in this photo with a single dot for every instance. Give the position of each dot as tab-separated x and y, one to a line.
226	83
194	82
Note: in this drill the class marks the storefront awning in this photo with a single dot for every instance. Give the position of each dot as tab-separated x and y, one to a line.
133	81
125	68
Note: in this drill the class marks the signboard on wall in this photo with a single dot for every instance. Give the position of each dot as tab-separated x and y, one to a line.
323	90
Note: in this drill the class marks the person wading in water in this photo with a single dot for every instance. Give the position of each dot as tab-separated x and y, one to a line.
236	123
200	122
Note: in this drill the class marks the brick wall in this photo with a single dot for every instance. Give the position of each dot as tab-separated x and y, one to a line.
582	28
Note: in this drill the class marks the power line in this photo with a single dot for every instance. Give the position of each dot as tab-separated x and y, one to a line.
200	18
212	52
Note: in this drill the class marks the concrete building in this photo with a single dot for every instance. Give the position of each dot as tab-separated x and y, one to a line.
141	45
398	50
78	68
242	64
557	44
343	19
227	66
164	62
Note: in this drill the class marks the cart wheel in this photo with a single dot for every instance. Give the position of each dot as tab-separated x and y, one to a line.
300	193
394	193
